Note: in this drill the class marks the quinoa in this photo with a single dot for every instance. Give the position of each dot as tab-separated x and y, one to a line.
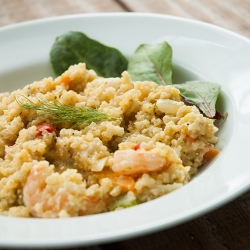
153	148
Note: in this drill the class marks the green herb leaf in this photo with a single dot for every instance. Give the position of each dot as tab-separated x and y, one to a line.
74	47
202	94
152	63
58	113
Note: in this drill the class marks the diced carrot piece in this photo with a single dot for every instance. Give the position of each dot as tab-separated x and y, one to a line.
126	183
189	138
211	154
65	79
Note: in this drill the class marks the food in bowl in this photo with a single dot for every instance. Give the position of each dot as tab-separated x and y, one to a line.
146	143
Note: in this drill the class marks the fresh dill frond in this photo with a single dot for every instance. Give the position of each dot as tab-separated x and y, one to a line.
58	113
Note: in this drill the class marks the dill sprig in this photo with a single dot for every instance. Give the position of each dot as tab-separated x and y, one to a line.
58	113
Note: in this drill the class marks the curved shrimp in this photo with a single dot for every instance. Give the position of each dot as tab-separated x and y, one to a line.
129	162
50	194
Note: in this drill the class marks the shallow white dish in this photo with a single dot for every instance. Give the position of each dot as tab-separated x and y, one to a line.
200	51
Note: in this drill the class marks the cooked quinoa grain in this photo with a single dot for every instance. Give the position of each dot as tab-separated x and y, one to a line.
57	170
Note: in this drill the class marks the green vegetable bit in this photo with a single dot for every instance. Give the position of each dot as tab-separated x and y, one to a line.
123	202
74	47
58	113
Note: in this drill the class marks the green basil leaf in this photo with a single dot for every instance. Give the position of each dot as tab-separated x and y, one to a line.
152	63
202	94
74	47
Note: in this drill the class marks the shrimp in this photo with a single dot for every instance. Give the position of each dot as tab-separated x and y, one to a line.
129	162
50	194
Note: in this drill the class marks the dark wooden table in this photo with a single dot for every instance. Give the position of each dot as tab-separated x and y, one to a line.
225	228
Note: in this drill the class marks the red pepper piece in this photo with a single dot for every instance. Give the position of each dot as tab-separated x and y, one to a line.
45	126
136	147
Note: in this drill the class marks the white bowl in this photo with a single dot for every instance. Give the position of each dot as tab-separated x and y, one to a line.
200	51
